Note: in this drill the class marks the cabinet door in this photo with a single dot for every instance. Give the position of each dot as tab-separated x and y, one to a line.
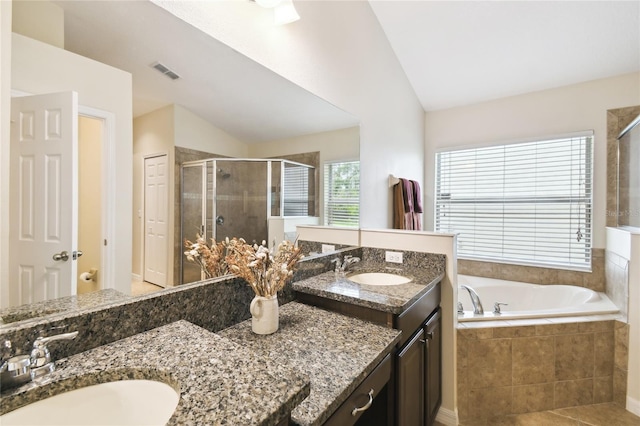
410	389
433	375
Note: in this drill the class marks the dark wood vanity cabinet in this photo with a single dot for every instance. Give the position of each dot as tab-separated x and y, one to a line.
433	366
418	375
415	390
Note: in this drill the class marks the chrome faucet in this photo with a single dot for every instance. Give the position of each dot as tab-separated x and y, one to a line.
475	300
348	260
341	265
40	357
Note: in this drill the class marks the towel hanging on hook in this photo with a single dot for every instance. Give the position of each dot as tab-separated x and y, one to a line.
407	204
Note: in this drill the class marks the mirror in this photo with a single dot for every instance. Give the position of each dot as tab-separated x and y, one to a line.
240	107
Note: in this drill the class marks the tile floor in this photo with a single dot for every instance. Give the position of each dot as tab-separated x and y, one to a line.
608	414
142	287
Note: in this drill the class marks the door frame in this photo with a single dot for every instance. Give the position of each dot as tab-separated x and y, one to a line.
107	255
170	229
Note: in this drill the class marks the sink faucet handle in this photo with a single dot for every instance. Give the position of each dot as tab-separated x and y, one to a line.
338	263
40	356
496	307
5	354
44	341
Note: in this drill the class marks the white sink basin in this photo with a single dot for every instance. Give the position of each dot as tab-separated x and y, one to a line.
125	402
378	278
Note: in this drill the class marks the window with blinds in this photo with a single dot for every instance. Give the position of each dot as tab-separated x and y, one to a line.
295	195
342	193
524	203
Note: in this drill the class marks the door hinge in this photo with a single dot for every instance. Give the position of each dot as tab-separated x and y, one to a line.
105	241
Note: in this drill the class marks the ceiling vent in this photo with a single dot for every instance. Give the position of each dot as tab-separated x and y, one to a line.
166	71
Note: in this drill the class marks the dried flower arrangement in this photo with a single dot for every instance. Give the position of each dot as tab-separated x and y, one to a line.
265	271
211	258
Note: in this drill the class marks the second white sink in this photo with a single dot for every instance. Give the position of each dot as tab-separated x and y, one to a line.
378	278
125	402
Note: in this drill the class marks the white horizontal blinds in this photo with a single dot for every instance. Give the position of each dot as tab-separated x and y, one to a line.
296	190
342	193
525	203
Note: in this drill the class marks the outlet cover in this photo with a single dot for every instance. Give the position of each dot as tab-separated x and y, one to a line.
327	248
393	256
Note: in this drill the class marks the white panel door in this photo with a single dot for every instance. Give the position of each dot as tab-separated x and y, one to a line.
156	211
43	197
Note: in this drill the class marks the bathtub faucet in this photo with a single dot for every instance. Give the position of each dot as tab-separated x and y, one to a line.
475	299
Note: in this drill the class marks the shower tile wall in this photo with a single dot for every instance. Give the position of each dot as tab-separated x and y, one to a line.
521	369
594	280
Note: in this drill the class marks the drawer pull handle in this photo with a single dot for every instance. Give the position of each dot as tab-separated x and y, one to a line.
365	407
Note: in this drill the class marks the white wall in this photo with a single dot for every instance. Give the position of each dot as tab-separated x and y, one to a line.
546	113
5	135
39	68
152	135
193	132
338	51
39	20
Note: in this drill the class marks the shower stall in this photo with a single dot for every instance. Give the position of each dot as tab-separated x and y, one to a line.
249	198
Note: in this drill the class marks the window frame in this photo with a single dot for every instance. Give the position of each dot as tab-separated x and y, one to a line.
587	200
326	195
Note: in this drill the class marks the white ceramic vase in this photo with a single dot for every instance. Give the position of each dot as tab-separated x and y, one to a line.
264	314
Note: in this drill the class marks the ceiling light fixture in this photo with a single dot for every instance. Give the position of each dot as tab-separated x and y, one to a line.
284	11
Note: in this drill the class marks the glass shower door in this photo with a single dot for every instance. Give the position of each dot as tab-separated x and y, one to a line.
241	200
193	213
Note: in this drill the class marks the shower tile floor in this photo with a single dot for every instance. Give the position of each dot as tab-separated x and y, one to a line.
608	414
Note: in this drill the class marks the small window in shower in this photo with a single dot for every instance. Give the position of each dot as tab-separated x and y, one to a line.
296	194
629	175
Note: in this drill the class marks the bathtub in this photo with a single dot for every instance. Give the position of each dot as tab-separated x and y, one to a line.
530	300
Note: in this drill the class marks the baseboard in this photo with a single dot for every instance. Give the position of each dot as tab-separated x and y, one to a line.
447	417
136	277
633	405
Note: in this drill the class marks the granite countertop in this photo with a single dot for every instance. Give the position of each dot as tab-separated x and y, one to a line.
220	381
393	299
336	352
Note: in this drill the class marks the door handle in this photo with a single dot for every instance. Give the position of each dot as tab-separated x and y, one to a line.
63	255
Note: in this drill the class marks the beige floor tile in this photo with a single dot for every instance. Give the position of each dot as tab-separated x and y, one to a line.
139	288
544	418
601	415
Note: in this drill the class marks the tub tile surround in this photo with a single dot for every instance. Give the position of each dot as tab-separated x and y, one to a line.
617	276
509	370
594	280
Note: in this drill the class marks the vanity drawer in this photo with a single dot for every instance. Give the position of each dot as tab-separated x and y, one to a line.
359	398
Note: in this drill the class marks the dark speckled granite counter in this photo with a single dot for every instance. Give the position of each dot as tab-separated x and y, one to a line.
220	381
335	351
393	299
